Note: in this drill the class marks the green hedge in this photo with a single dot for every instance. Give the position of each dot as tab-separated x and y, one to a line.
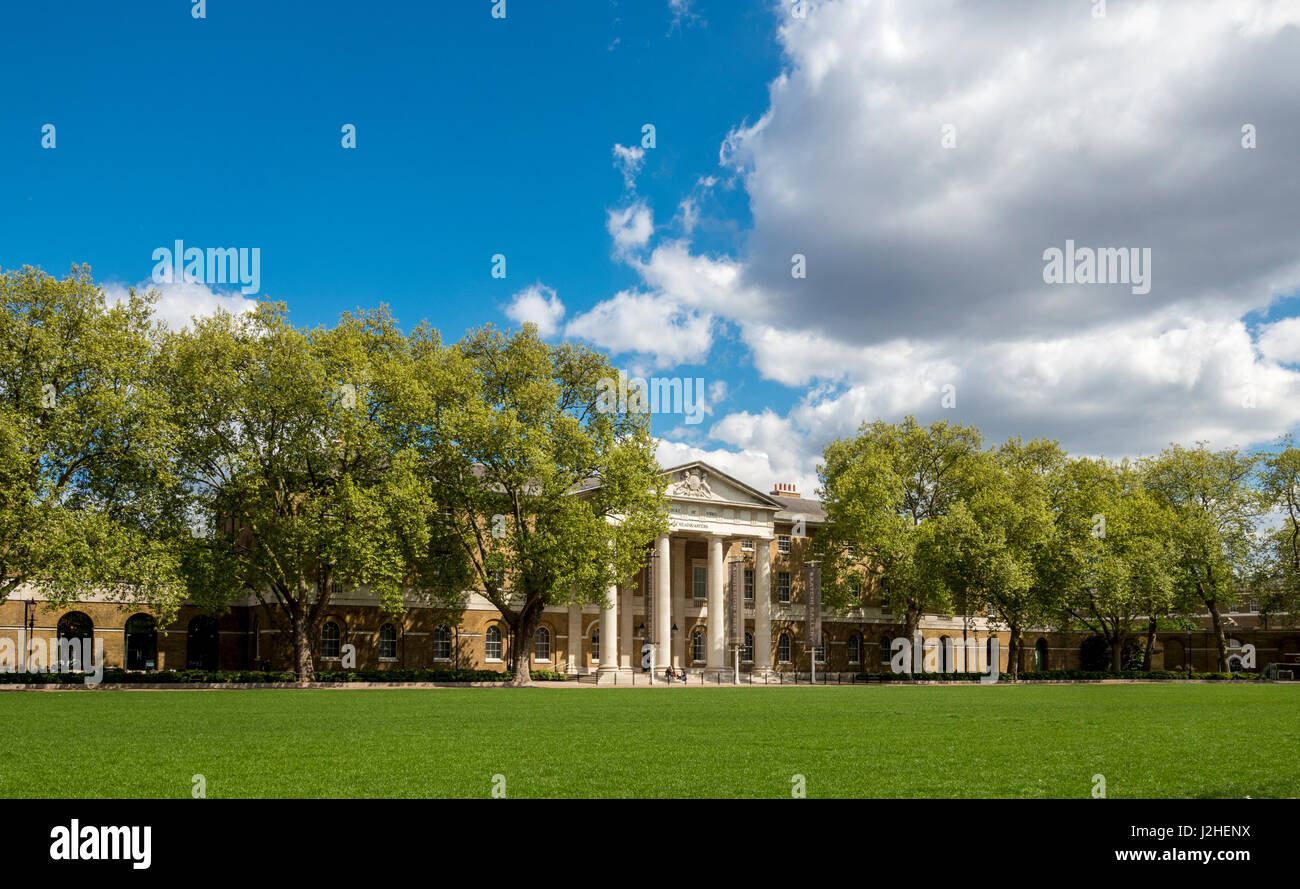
1055	676
205	677
1093	675
918	677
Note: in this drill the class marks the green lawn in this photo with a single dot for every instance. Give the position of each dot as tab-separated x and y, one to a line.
960	741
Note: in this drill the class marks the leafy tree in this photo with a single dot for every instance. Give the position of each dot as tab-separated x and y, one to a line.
996	539
1277	580
553	495
885	491
83	504
297	455
1214	507
1112	560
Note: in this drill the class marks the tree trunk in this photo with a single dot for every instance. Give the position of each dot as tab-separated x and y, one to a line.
1220	640
522	630
1151	644
1117	654
910	619
304	667
1013	650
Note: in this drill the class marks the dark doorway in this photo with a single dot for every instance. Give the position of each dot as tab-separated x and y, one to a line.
201	643
141	642
75	625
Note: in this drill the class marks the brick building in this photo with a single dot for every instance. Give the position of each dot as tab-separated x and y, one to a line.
714	519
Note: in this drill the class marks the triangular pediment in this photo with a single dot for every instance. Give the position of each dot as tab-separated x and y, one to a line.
699	482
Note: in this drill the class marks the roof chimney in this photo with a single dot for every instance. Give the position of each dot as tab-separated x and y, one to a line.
785	489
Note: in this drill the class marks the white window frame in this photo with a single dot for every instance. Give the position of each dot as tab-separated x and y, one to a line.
747	545
488	643
339	640
696	567
702	648
783	641
783	589
749	584
537	637
783	544
437	642
391	658
747	650
855	639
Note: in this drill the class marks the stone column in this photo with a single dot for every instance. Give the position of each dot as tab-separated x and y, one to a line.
625	634
681	596
663	602
608	668
717	638
762	606
575	640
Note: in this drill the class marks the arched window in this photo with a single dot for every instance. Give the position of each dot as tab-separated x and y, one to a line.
747	652
74	629
945	655
141	642
885	645
855	649
201	651
330	644
783	648
595	646
388	643
697	645
1040	654
542	644
442	644
492	644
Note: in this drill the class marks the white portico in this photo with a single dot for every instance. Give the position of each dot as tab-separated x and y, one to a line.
709	511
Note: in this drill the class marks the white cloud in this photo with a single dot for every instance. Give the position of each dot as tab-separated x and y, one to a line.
538	304
629	161
649	324
925	262
1280	341
180	301
630	227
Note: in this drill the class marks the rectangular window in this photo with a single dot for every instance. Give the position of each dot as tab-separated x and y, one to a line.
699	575
1253	606
442	644
783	544
747	545
749	584
783	586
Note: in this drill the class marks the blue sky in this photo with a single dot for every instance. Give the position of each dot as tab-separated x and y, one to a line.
775	135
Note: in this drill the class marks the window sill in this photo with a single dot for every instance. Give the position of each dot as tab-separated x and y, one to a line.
493	660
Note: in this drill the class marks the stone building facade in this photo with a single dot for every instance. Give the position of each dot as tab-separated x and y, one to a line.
685	602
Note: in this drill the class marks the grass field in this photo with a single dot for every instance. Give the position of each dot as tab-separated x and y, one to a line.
961	741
